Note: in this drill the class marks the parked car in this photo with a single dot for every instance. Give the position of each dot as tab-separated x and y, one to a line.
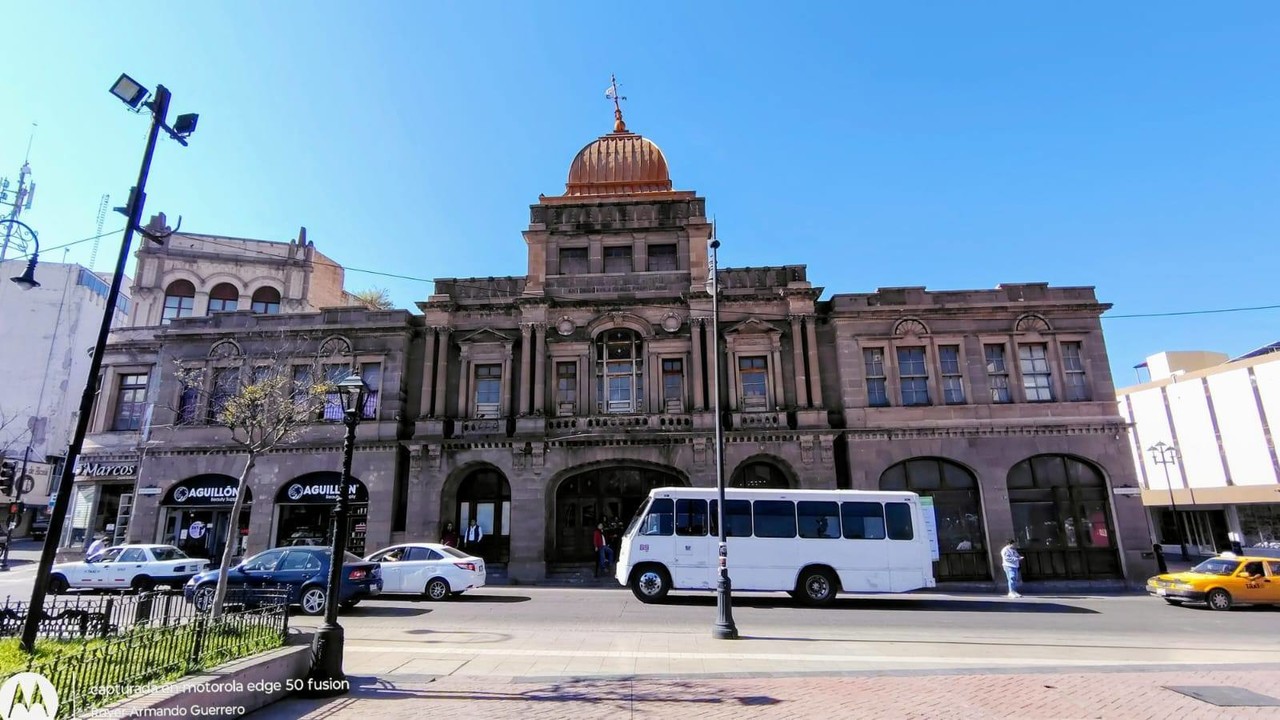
138	567
428	569
1222	582
40	524
303	572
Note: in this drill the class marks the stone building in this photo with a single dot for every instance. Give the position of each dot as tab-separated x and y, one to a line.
543	404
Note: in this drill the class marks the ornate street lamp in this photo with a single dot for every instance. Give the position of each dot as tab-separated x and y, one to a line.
27	280
724	628
327	678
1165	455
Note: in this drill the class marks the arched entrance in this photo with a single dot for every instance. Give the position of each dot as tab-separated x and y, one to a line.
485	495
609	495
1062	519
759	475
957	506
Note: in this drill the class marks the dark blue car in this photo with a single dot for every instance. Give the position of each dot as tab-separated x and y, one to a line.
301	571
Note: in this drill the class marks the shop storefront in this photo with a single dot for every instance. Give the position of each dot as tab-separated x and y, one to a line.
196	516
305	505
101	502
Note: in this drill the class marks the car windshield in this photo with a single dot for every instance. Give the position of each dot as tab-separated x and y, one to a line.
110	554
1216	566
635	519
168	553
455	552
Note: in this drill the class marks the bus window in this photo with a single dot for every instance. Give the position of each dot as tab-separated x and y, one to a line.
898	517
691	517
737	518
660	519
775	518
818	519
635	519
863	520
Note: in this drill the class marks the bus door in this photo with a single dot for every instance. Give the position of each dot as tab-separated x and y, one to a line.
693	548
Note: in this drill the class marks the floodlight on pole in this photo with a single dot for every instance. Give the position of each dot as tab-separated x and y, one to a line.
130	91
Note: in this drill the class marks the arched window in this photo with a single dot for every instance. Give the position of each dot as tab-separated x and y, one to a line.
266	301
179	301
619	371
1061	519
957	509
224	298
760	475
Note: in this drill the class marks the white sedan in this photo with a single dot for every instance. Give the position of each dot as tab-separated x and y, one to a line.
429	569
139	567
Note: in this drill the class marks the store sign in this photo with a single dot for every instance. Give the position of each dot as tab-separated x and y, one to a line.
303	492
106	469
204	490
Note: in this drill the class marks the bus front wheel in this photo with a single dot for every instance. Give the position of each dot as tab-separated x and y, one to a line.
650	583
817	586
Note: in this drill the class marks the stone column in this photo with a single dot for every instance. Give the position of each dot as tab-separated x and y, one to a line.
526	356
730	377
797	348
695	342
540	369
428	371
815	377
442	370
464	381
709	347
506	384
775	361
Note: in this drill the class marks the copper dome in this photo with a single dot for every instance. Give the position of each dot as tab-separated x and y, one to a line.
620	163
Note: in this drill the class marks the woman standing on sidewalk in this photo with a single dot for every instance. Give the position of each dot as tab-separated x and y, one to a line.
1012	562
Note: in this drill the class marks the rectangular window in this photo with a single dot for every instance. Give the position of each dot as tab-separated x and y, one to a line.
691	518
334	374
662	258
660	519
371	374
897	518
753	373
877	392
673	385
862	520
225	381
618	259
573	261
567	387
1035	373
737	518
952	377
818	519
774	518
188	405
488	390
176	306
1073	367
997	374
131	402
913	375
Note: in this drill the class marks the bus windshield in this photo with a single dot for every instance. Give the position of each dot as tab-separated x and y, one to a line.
635	519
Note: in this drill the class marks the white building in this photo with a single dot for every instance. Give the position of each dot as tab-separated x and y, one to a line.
48	336
1220	418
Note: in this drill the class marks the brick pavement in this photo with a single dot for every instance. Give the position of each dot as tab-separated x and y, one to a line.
1102	694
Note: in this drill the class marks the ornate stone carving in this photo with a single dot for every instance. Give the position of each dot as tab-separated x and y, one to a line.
565	326
827	443
806	449
537	456
700	452
415	463
433	456
225	349
1031	323
518	455
335	346
671	322
910	326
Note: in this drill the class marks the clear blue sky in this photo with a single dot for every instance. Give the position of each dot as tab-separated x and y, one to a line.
951	145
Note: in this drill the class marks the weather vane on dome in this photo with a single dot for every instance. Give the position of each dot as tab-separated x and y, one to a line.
611	93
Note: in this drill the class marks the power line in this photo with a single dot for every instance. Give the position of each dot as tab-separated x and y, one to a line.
67	245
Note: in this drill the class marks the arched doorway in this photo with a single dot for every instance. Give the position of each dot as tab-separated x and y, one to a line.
759	475
485	495
1062	519
609	495
957	507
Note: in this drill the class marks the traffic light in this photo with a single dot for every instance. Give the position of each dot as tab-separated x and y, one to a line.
8	469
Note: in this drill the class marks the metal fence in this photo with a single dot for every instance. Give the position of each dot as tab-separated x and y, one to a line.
153	646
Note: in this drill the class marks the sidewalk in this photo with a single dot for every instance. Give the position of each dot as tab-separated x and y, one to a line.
1102	693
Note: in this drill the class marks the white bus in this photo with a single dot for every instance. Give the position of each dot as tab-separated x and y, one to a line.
809	543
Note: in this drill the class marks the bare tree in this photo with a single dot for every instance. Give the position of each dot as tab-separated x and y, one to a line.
264	399
375	298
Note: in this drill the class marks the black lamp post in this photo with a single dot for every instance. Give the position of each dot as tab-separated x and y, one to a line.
724	629
1165	455
27	281
133	95
326	678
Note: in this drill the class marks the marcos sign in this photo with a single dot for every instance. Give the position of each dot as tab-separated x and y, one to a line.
106	469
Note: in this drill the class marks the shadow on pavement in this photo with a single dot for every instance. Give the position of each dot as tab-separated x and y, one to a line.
472	598
366	610
993	605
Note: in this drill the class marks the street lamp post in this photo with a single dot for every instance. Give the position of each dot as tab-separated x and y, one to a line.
326	678
133	95
1165	455
724	629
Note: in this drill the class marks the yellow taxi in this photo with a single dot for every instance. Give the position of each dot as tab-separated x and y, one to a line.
1222	582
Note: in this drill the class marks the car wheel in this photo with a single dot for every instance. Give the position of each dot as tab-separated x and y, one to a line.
816	587
142	583
437	589
203	598
650	583
58	585
1218	599
1171	601
312	601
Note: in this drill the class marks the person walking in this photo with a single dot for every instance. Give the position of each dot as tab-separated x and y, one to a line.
99	546
450	536
471	541
1012	562
604	553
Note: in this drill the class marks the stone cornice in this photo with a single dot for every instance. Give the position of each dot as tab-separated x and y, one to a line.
975	431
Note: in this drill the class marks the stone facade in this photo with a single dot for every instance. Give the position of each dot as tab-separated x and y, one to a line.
543	404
